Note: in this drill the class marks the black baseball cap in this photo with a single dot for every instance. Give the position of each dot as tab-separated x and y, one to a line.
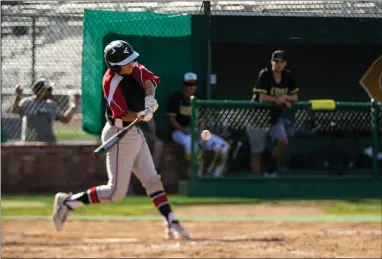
278	55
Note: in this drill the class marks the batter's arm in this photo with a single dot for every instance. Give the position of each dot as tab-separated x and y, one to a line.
149	88
150	101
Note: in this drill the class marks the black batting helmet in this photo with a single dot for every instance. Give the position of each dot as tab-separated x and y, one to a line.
119	53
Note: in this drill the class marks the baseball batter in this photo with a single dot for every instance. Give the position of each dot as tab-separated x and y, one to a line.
129	89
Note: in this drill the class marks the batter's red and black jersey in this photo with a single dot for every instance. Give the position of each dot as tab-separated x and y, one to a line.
126	92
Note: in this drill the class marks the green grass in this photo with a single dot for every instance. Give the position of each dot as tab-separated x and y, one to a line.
132	206
69	132
140	205
364	207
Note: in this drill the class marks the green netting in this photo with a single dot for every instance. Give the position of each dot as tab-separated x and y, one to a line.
163	41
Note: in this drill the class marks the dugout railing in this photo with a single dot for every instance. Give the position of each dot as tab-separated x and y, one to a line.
358	124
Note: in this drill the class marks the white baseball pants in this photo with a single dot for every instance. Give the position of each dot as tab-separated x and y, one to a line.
130	154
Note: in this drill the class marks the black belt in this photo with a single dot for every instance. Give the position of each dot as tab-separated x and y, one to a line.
124	123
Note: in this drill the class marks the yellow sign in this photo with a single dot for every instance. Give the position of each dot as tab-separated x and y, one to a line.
323	104
372	80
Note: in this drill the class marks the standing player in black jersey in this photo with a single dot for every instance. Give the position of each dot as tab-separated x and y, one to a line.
129	89
275	85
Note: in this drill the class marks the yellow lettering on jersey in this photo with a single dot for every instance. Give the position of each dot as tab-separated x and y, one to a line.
276	91
185	110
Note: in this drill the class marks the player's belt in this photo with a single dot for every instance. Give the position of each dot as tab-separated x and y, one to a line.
119	123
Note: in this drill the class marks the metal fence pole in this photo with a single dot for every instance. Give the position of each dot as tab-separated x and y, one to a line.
374	136
194	139
207	14
33	49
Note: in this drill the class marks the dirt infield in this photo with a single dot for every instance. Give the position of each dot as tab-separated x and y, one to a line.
143	239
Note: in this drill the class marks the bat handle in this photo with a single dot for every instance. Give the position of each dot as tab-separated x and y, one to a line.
96	155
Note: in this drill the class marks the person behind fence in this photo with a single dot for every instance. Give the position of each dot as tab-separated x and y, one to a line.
39	111
275	85
179	114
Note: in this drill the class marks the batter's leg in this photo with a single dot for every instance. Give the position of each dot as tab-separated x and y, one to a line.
119	164
145	171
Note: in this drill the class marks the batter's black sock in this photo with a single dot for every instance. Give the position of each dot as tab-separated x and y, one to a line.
162	204
83	198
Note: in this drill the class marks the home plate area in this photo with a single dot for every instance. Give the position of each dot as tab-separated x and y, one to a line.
144	239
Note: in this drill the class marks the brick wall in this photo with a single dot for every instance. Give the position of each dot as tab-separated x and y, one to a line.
37	168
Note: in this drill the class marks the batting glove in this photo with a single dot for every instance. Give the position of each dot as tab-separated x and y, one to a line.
145	115
151	103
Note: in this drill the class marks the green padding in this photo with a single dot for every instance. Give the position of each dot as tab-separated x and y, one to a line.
147	32
3	136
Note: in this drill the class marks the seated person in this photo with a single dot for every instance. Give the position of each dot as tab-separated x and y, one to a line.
179	113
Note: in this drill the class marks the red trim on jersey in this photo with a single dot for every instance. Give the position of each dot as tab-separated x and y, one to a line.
94	195
142	74
110	86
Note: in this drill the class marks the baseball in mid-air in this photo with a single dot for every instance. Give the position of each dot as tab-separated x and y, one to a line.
206	135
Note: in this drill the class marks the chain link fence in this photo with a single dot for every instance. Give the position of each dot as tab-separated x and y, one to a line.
335	141
45	39
371	9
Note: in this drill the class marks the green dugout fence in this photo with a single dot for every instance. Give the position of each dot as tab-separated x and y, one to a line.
315	125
